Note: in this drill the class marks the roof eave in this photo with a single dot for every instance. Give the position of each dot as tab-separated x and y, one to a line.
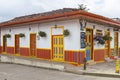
76	14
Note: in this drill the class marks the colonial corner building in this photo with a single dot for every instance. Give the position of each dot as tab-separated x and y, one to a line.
65	35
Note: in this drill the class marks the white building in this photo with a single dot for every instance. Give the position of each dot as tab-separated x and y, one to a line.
42	36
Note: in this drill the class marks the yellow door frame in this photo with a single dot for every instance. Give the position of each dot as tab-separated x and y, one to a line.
30	46
117	42
51	38
108	32
91	44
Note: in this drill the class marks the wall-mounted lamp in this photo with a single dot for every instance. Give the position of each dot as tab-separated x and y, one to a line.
29	28
38	37
55	26
108	29
83	24
115	29
93	26
10	30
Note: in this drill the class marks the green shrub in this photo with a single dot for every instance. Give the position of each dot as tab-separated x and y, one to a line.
21	35
66	33
7	35
42	34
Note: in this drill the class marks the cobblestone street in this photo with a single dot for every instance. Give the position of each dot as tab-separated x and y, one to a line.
21	72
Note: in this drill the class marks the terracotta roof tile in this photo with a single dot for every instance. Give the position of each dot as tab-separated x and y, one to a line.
45	14
60	13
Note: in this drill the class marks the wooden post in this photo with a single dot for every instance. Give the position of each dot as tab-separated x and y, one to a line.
85	63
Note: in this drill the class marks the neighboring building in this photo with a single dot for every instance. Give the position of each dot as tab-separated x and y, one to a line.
117	19
80	27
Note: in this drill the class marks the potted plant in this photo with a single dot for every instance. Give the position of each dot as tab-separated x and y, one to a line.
21	35
42	34
66	32
112	54
7	35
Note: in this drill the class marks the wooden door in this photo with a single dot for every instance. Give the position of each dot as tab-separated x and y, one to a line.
107	45
4	44
32	45
115	43
17	44
58	54
89	44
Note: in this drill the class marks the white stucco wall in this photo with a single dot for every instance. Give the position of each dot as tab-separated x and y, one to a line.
10	40
15	30
119	38
112	35
70	43
103	28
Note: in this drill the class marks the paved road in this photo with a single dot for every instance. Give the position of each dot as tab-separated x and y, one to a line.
20	72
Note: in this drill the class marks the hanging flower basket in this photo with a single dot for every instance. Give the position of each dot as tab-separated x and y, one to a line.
42	34
102	42
7	35
106	37
21	35
101	39
66	33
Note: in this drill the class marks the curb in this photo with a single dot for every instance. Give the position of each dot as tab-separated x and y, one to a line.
74	71
32	62
102	74
94	74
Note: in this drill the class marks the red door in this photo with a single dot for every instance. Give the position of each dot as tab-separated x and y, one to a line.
4	44
17	45
33	45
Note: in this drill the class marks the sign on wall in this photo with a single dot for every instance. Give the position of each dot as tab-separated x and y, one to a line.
82	40
116	29
83	24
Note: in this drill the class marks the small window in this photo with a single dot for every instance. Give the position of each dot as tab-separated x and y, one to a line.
99	32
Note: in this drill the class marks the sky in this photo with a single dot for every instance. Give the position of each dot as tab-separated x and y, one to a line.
10	9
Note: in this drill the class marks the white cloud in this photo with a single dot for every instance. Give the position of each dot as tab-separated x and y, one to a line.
108	8
13	8
112	8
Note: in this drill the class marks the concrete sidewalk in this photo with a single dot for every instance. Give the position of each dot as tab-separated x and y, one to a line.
105	69
101	69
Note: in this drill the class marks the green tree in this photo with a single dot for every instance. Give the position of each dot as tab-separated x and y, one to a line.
82	7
